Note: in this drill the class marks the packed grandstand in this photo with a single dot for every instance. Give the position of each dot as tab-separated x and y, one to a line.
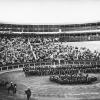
46	44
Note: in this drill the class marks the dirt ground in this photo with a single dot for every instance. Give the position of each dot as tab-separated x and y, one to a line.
43	89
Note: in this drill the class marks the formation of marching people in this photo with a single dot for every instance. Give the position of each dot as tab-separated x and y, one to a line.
71	69
77	78
22	49
65	75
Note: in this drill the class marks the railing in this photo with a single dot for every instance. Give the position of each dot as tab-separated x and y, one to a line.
11	67
49	28
51	64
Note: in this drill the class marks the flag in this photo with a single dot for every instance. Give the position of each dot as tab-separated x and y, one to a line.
32	49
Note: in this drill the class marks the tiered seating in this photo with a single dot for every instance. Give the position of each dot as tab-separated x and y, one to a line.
30	49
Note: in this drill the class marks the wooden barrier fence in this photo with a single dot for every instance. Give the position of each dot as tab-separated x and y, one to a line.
65	63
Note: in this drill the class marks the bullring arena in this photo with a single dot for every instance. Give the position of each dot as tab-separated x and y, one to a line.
50	50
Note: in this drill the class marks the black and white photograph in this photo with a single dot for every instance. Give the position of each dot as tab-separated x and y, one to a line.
49	50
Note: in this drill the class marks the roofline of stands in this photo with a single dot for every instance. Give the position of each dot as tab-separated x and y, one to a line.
50	29
68	32
72	25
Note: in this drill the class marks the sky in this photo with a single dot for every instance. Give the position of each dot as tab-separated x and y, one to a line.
49	11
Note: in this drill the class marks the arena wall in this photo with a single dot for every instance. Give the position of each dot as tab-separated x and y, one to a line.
46	64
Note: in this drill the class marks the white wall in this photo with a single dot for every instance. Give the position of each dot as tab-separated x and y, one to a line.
92	45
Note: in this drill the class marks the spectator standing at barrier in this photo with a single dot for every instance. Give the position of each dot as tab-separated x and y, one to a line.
28	93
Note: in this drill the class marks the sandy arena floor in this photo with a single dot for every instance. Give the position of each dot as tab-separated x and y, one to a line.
43	89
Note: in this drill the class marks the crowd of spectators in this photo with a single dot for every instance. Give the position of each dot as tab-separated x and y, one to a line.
21	49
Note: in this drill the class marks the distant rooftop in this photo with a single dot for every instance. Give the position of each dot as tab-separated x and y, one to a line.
67	28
